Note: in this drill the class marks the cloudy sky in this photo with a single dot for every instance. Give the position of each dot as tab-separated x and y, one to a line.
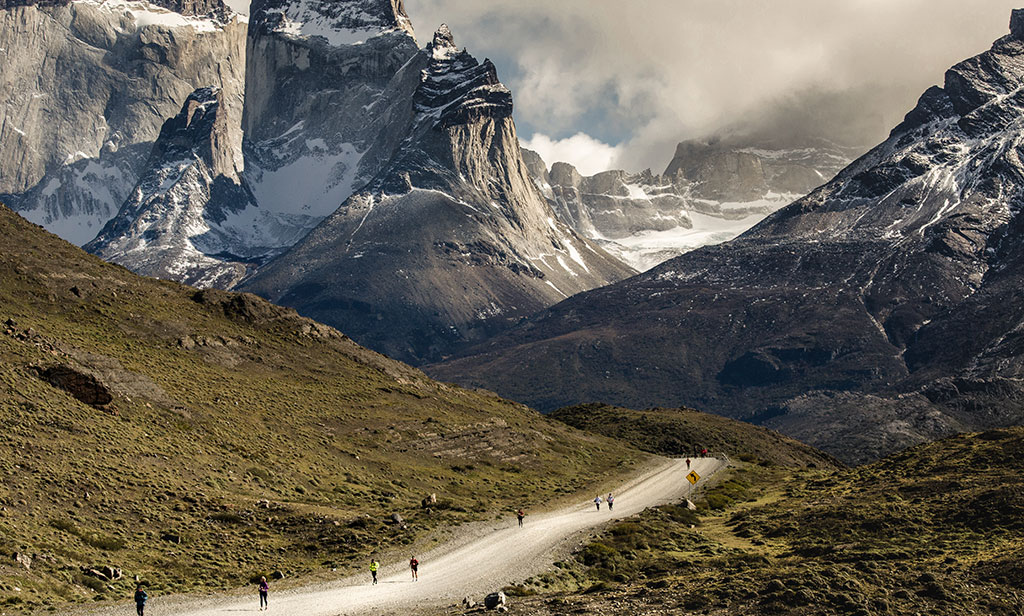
616	84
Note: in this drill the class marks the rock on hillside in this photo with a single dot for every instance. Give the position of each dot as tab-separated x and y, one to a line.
86	86
451	242
712	191
191	201
888	298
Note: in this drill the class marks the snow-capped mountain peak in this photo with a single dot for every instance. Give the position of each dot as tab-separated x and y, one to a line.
337	22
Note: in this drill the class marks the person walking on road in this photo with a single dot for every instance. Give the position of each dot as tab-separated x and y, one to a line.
140	600
520	515
611	501
597	502
374	565
264	589
687	464
414	565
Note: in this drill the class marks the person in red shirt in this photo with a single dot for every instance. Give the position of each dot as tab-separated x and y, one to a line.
414	565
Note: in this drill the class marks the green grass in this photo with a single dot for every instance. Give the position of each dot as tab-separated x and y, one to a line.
242	439
933	530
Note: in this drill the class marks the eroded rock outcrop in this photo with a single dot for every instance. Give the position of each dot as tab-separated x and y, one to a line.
451	241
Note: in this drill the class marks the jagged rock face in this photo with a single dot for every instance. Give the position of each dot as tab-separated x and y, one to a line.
888	298
451	241
85	88
711	192
190	202
319	99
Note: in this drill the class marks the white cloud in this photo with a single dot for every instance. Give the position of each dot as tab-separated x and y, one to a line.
582	151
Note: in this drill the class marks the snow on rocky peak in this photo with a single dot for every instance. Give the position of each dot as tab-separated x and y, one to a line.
456	88
352	22
181	221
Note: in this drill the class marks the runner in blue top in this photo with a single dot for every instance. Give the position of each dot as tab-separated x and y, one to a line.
140	600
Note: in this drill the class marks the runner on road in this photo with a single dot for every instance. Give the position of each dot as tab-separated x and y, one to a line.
520	514
140	600
687	464
611	501
597	501
374	565
264	589
414	565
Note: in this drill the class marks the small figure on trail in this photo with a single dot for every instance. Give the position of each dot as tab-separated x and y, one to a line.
520	514
597	501
414	565
374	565
687	464
264	589
704	452
140	600
611	501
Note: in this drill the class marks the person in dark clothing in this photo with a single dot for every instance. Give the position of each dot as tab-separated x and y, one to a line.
414	565
264	589
520	514
140	600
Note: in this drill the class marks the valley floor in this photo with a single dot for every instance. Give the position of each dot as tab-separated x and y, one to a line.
473	565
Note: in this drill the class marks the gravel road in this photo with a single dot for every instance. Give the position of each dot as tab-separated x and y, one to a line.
490	558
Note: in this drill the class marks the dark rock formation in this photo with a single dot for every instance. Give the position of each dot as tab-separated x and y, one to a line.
82	386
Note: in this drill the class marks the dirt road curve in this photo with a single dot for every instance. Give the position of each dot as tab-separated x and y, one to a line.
472	567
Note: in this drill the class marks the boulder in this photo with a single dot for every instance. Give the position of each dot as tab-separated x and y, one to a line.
496	600
25	560
83	387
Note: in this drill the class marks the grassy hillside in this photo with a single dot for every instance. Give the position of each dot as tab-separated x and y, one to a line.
199	439
933	530
677	432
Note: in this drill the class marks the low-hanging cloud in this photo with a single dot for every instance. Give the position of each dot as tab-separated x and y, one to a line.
587	154
643	75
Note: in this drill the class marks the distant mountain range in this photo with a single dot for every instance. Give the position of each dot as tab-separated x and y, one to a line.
881	310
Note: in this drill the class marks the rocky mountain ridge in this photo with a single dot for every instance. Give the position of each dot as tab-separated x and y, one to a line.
71	155
711	191
187	204
451	241
879	311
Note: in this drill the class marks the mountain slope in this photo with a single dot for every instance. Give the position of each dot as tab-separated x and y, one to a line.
199	438
187	204
684	432
85	88
451	241
832	319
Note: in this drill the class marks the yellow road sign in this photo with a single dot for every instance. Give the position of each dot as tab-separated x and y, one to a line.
693	477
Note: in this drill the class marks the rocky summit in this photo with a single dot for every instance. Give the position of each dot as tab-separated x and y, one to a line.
451	241
712	190
190	201
878	311
317	123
